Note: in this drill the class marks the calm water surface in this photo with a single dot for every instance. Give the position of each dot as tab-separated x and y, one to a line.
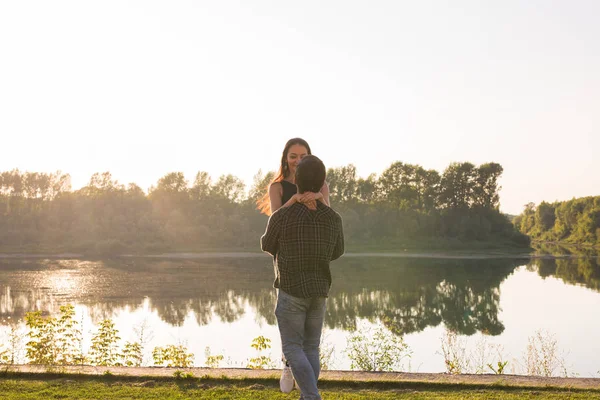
223	303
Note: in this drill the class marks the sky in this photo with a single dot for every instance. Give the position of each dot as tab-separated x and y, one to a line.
144	88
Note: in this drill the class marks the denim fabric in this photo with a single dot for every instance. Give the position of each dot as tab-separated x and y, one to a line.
300	323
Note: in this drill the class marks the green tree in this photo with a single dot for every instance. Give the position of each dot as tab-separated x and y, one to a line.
486	189
367	189
397	185
229	187
259	186
457	186
342	184
544	217
201	187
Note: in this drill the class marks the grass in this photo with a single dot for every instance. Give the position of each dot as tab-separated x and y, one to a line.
421	245
438	244
564	247
56	386
441	246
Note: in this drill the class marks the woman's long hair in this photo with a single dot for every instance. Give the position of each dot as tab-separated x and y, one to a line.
263	204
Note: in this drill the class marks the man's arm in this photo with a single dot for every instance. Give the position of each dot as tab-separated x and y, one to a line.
269	242
338	250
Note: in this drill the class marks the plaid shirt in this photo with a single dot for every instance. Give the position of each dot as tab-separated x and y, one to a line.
302	243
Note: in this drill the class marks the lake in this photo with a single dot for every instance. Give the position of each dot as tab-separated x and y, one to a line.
496	306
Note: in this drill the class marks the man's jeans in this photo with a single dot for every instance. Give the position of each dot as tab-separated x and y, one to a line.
300	323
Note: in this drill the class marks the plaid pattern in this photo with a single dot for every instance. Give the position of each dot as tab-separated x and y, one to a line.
302	243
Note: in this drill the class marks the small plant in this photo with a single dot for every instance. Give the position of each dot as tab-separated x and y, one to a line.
480	355
499	370
173	356
376	350
105	347
261	361
542	357
54	341
68	338
132	354
483	359
144	335
212	361
326	354
182	375
455	353
459	360
14	344
501	363
4	356
41	347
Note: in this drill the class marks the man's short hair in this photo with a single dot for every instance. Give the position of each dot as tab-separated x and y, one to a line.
310	174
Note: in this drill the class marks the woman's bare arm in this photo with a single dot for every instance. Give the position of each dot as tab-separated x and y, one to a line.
325	192
291	201
309	197
275	194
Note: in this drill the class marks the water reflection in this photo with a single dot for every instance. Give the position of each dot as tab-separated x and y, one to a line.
223	303
408	295
581	271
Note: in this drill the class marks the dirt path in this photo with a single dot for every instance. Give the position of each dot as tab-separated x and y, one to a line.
387	377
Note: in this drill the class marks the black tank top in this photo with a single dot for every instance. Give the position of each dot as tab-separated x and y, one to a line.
289	189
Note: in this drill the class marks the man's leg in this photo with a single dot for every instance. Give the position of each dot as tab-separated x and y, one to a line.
291	314
312	333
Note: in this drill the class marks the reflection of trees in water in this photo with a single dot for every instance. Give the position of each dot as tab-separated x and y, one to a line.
466	311
212	288
264	304
100	311
561	250
411	294
408	295
582	270
17	304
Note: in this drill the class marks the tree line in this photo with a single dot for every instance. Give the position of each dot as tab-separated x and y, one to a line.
575	221
405	204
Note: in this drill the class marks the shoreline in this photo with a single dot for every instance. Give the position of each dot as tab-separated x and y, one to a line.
327	376
466	255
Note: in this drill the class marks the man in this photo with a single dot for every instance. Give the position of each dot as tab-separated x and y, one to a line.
303	239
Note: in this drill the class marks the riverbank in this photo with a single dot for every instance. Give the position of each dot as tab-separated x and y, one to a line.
471	255
331	377
440	248
33	382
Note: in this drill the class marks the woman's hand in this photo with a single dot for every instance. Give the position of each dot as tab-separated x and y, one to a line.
308	197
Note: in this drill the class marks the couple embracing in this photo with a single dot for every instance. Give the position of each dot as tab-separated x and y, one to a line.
303	235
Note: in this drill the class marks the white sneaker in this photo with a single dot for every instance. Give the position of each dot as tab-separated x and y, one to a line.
286	383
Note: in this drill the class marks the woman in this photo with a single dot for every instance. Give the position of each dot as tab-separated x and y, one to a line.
282	191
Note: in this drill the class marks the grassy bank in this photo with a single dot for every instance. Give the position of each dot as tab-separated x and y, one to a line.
441	246
565	248
48	386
